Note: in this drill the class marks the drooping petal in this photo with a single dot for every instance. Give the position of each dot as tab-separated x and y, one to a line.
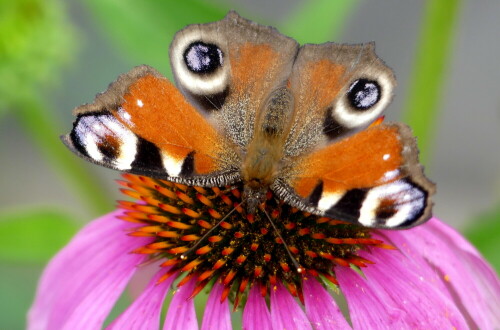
256	315
285	311
368	309
321	308
424	305
217	315
142	277
181	314
144	312
83	281
460	267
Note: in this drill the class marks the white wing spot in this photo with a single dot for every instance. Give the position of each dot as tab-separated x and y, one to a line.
386	156
328	200
391	175
172	166
140	104
125	116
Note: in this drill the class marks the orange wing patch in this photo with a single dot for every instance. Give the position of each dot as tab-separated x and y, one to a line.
327	79
156	111
250	65
372	178
366	159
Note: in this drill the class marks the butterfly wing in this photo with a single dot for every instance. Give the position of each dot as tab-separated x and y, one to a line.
142	124
257	60
338	164
372	178
196	134
339	89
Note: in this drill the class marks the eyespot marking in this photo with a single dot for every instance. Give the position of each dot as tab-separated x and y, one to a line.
199	63
203	58
364	94
363	101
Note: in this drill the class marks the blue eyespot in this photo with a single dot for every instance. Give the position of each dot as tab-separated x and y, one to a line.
203	58
364	94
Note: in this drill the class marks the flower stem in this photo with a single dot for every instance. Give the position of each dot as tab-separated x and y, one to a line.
432	60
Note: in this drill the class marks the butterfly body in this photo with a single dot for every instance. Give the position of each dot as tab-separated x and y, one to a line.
252	107
262	160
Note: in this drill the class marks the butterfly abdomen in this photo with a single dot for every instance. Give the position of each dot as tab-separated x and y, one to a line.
275	117
265	150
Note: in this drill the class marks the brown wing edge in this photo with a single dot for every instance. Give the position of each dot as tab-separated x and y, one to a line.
415	170
112	98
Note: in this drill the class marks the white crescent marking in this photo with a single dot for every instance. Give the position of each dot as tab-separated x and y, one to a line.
410	201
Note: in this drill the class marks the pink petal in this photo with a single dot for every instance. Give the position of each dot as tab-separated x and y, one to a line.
142	277
321	308
285	312
256	315
460	267
216	316
424	305
181	314
144	312
83	281
368	308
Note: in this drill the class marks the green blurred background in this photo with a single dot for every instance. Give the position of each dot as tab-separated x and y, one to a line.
55	55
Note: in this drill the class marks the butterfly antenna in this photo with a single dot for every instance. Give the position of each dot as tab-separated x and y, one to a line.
191	249
298	267
212	103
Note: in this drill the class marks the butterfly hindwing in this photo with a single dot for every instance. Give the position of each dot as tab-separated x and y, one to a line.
229	68
339	89
142	124
372	178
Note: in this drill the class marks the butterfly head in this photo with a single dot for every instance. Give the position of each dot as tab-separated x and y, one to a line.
254	197
259	170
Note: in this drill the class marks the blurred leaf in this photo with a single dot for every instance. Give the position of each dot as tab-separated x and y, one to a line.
318	21
36	39
485	233
432	59
17	285
144	29
33	236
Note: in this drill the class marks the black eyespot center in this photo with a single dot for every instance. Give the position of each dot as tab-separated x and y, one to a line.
203	58
364	94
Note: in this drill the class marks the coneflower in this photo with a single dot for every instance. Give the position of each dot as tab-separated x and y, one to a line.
278	265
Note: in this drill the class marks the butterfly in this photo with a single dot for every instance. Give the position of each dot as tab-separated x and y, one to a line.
253	107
